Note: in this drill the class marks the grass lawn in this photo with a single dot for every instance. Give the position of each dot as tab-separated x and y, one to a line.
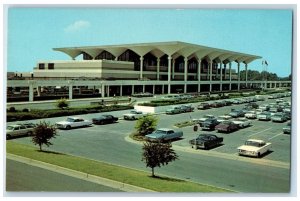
113	172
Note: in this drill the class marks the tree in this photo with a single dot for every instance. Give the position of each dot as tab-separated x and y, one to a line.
43	133
62	103
146	124
156	154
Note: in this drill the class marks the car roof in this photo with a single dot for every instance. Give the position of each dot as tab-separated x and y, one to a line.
164	129
256	140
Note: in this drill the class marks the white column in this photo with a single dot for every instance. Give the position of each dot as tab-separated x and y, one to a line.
246	69
169	73
185	73
31	95
221	77
102	90
132	89
153	89
70	92
121	90
141	67
239	76
157	69
107	87
143	88
173	69
199	74
210	75
38	91
163	89
230	76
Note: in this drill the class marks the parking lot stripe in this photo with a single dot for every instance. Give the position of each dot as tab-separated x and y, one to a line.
274	136
260	131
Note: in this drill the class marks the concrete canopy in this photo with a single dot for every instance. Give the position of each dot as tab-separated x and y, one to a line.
158	49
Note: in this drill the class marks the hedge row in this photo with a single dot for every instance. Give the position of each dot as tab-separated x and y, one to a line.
40	114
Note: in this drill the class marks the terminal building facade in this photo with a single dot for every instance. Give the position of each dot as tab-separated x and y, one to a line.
157	68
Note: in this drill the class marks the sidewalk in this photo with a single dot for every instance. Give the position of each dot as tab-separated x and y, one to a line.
79	175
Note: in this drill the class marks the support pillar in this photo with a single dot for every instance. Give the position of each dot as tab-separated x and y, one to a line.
31	95
246	75
153	89
132	89
141	67
185	73
102	90
163	89
239	76
199	75
157	69
210	75
173	69
38	91
70	92
221	77
143	88
229	76
121	90
169	73
107	88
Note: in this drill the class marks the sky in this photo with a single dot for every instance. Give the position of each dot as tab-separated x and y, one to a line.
33	32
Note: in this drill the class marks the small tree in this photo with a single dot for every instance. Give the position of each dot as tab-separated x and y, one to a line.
146	124
157	154
62	103
43	133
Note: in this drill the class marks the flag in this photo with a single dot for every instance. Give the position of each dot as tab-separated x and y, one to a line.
266	63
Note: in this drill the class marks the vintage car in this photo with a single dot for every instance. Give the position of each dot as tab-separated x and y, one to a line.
73	122
266	116
227	126
253	147
203	106
133	115
287	128
105	119
236	113
251	114
174	110
209	124
164	134
204	118
242	122
25	129
217	104
223	118
187	108
206	141
279	117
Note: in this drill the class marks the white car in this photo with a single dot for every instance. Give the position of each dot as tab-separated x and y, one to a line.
251	114
19	130
73	122
264	116
224	118
133	115
242	122
254	147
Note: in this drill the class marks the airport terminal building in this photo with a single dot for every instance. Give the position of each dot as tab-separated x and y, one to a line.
156	68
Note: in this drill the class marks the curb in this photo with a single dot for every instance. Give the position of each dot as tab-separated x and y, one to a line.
77	174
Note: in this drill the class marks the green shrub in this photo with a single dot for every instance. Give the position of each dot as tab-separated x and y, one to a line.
62	103
12	109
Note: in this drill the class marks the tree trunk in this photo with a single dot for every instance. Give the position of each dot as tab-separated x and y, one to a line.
153	172
40	147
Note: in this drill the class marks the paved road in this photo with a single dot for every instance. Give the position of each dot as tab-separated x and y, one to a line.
106	143
21	177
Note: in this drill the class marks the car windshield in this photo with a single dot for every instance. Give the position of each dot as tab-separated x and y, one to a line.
9	128
254	144
160	131
202	137
70	119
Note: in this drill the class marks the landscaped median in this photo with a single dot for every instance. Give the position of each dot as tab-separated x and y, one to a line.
109	171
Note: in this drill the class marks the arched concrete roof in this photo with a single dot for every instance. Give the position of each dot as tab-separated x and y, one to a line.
173	48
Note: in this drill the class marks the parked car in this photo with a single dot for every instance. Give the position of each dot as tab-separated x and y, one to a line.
251	114
174	110
279	117
164	134
236	113
287	128
264	116
216	104
133	115
236	101
16	130
227	126
203	106
242	122
206	141
224	118
209	124
141	94
227	102
204	118
105	119
253	147
73	122
187	108
264	107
